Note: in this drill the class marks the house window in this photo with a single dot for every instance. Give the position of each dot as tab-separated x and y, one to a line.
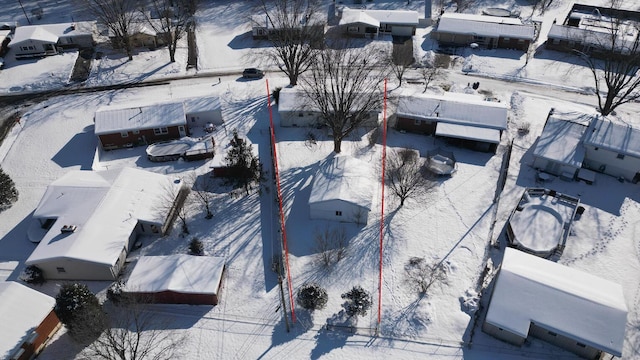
620	156
352	29
506	39
596	149
193	119
124	134
556	41
31	48
136	132
160	131
552	333
416	122
61	270
338	213
300	115
581	345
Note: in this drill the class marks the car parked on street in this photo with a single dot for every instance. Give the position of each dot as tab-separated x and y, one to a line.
252	73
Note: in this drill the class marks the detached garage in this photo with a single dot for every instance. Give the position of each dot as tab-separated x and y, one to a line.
342	190
177	279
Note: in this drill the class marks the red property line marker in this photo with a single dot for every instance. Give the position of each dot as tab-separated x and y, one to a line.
384	159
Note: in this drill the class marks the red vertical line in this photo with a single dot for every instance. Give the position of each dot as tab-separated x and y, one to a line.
282	227
384	159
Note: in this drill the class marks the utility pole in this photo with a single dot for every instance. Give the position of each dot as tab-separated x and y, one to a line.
25	13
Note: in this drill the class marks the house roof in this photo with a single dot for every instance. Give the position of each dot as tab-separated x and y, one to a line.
468	132
294	99
201	104
561	138
590	36
105	206
178	273
343	178
108	120
377	17
455	108
49	33
570	302
482	25
22	309
613	136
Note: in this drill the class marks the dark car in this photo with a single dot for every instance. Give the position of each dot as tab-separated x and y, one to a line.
252	73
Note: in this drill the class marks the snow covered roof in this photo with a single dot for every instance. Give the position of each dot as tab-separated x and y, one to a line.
468	132
179	273
570	302
377	17
482	25
294	99
21	310
456	108
51	32
343	178
614	136
201	104
358	16
561	138
105	206
108	121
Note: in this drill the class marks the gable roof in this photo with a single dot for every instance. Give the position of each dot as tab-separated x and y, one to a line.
561	138
178	273
377	17
201	104
50	33
613	136
22	309
454	108
33	33
357	16
567	301
105	206
343	178
482	25
108	121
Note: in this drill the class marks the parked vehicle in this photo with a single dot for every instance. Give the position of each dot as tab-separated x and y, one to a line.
252	73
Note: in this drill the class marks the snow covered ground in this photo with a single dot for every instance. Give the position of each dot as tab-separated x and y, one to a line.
451	223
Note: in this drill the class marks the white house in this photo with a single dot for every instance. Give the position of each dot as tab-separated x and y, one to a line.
42	40
613	148
295	109
535	297
466	118
559	150
488	31
342	190
86	221
177	279
28	321
371	22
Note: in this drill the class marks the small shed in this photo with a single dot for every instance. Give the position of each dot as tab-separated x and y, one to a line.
342	190
569	308
559	150
177	279
28	321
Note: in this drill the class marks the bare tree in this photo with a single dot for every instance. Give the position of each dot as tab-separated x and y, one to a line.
174	203
403	173
614	61
203	192
423	275
295	28
462	5
430	74
174	17
119	16
343	85
134	333
541	5
331	245
401	59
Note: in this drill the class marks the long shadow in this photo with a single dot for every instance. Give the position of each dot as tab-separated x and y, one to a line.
15	246
246	41
327	340
69	154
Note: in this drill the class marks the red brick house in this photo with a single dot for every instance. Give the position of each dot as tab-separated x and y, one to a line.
29	321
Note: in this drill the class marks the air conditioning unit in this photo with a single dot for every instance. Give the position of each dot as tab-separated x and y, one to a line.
68	229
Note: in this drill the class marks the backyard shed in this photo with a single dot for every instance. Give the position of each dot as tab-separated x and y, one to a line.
342	190
87	221
572	309
177	279
28	321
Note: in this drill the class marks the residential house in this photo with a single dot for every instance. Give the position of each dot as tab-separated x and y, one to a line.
487	31
87	221
177	279
363	22
342	190
534	297
142	33
48	39
466	119
296	109
591	30
264	28
28	321
126	127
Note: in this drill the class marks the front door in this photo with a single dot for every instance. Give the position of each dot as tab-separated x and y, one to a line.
182	131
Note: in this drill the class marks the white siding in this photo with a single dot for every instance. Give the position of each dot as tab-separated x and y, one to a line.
338	210
608	162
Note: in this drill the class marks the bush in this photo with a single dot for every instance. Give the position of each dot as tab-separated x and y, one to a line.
115	292
80	311
32	275
358	301
196	247
312	297
276	94
8	192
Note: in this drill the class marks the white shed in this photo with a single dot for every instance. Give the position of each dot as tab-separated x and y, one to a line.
342	190
203	110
